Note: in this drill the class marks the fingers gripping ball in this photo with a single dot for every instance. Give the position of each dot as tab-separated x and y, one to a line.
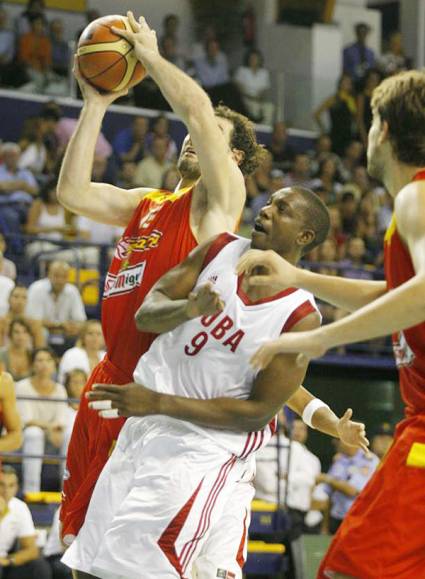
107	61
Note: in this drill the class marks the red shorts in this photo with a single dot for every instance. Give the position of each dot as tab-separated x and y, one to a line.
383	534
91	443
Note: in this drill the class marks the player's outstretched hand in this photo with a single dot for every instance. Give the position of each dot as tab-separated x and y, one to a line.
306	344
141	37
90	94
204	302
132	399
267	268
352	433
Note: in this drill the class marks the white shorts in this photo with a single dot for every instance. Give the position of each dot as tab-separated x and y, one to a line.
169	502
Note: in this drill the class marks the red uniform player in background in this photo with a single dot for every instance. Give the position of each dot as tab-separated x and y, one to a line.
161	229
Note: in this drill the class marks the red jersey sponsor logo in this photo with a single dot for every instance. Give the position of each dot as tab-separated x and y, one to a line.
127	245
125	281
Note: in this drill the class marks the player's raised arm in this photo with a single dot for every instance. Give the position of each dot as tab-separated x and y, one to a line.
223	180
277	273
172	302
99	201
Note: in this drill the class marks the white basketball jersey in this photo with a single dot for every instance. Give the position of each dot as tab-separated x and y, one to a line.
208	357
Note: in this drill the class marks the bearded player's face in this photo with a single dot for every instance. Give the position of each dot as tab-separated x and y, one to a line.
187	163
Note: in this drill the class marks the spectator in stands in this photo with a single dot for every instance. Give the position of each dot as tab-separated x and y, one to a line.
88	352
348	208
7	267
358	57
170	26
327	180
394	59
61	56
58	304
253	81
17	302
11	431
364	111
356	260
350	471
382	439
7	49
51	114
44	423
160	128
33	9
6	286
212	69
35	53
19	554
336	232
151	170
282	152
54	549
169	50
171	179
97	233
74	382
352	158
341	109
15	358
18	187
300	173
129	143
33	150
327	259
126	173
46	219
276	182
91	14
65	128
322	150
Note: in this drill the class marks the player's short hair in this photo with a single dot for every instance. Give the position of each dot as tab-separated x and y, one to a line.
243	138
400	100
316	216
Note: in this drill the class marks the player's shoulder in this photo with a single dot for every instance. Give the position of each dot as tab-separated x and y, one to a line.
409	208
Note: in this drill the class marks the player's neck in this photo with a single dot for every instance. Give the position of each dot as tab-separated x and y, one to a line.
186	183
398	176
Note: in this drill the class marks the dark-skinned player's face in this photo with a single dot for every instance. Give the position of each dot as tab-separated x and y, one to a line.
280	224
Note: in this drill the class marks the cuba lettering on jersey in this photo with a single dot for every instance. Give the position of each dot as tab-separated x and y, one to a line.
208	357
157	238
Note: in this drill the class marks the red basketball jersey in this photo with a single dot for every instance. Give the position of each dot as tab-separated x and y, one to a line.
408	345
157	238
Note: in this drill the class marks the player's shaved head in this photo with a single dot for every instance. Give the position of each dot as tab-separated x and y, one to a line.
316	216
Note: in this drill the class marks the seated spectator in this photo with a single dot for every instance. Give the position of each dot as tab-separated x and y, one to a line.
58	304
276	182
348	209
61	56
35	53
351	159
282	152
350	471
382	439
11	431
129	143
54	549
15	358
74	382
126	174
19	554
6	286
322	150
336	232
7	267
88	352
160	128
46	219
150	171
364	111
44	423
17	303
356	260
394	59
327	179
51	114
169	50
358	57
65	128
212	69
328	255
33	9
170	27
7	50
341	110
300	173
17	188
99	233
171	179
33	150
253	81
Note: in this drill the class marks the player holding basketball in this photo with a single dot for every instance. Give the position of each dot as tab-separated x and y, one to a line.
161	229
383	535
174	487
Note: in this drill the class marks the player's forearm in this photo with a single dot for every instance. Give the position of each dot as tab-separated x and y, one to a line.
75	174
185	96
161	315
397	310
224	413
324	419
349	294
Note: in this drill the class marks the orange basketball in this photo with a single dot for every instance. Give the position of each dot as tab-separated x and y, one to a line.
107	61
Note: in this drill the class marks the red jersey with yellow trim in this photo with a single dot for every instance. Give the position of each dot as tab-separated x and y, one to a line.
157	238
408	345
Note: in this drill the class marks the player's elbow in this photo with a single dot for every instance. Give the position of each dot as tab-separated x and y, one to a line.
144	320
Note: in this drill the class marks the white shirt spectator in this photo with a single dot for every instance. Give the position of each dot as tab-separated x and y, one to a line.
6	286
303	468
253	83
98	232
73	359
42	305
41	411
16	524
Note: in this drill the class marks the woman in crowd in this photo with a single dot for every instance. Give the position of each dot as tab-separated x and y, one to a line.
253	82
364	111
86	354
16	357
17	303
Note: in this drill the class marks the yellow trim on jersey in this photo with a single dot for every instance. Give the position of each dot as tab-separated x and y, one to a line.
161	196
416	456
392	227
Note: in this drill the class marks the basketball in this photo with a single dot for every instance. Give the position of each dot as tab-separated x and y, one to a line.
107	61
